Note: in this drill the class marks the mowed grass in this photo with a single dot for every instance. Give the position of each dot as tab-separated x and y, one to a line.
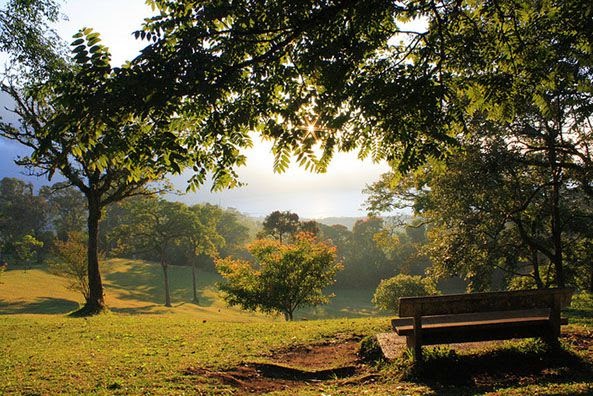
148	354
141	347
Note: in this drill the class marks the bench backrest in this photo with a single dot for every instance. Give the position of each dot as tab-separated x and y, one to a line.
484	302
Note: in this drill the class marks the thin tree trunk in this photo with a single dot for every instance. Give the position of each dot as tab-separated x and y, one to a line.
555	209
536	275
166	280
95	302
193	277
557	232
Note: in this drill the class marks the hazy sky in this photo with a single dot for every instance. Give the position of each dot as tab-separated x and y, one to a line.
335	193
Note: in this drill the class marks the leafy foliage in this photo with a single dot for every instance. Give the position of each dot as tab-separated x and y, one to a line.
67	209
286	277
22	213
387	295
313	77
26	250
70	262
277	224
27	38
490	210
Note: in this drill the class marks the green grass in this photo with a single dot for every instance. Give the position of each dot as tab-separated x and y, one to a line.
141	354
581	309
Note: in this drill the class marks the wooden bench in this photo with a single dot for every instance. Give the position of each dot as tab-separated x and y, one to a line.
480	317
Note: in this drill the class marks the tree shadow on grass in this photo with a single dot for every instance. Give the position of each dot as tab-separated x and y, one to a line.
137	282
41	305
506	367
144	282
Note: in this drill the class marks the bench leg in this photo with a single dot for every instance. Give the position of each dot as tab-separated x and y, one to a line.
553	336
415	341
415	348
552	340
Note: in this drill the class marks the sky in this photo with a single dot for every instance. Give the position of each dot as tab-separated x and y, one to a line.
338	192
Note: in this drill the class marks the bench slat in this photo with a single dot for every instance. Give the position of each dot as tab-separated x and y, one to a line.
485	324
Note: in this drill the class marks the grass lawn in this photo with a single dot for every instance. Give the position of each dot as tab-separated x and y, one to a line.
141	347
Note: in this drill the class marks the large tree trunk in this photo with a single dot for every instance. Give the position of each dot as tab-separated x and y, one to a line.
166	280
193	277
95	302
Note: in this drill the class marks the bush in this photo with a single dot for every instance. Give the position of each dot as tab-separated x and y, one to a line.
389	291
70	262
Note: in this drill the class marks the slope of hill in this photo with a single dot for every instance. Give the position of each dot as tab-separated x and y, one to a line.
135	287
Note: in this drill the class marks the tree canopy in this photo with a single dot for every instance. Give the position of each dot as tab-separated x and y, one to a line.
283	278
398	80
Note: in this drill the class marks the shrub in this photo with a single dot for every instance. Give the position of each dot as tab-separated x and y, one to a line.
70	262
389	291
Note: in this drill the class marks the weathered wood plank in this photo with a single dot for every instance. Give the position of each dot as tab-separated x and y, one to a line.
482	302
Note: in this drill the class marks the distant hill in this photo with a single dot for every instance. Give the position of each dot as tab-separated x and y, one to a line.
329	221
350	221
345	221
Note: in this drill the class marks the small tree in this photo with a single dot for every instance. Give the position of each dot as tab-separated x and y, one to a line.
26	249
387	295
286	277
155	225
70	262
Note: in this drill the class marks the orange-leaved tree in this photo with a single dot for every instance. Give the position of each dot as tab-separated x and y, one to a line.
284	277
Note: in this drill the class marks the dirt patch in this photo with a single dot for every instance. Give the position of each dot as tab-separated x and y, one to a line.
294	367
325	355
